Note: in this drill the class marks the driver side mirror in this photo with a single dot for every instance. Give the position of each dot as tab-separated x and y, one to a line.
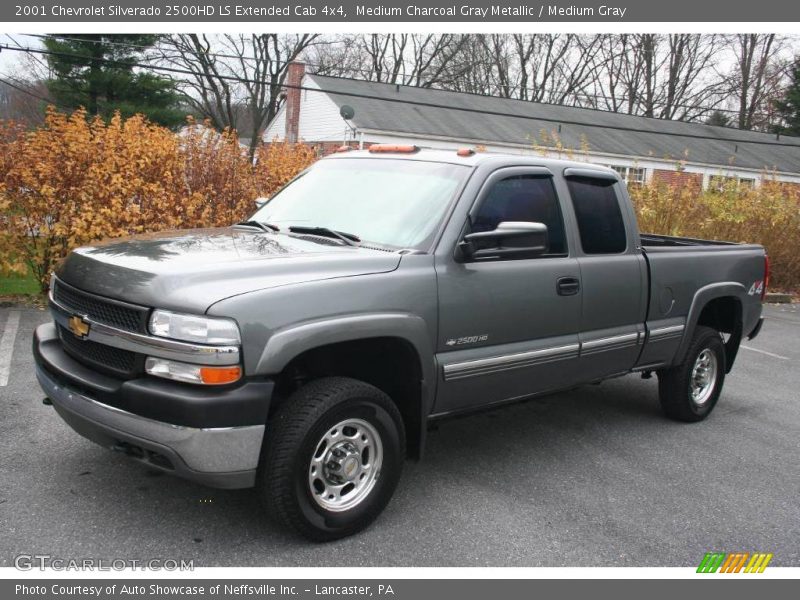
509	240
259	202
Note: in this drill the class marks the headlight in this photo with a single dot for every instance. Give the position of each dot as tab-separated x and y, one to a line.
193	328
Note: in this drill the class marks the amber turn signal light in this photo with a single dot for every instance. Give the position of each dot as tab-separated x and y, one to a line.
220	375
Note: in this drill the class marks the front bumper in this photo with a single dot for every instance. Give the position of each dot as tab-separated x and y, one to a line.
193	439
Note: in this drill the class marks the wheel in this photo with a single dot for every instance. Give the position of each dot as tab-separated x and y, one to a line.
332	458
690	390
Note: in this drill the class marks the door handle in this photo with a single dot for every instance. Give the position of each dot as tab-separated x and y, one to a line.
568	286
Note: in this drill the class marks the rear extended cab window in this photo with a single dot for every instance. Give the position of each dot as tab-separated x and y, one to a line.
599	215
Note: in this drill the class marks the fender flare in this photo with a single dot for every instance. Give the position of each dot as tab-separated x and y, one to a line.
701	298
287	343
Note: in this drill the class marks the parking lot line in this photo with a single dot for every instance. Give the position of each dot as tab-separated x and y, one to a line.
7	345
765	352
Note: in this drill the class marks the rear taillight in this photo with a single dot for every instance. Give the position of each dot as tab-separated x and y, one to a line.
766	276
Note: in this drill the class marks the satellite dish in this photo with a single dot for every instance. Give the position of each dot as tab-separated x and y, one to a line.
347	112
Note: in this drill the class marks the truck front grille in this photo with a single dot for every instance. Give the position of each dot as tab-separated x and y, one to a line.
103	310
107	359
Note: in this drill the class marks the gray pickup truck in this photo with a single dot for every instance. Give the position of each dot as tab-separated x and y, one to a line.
306	350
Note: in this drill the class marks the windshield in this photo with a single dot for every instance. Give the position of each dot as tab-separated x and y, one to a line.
390	202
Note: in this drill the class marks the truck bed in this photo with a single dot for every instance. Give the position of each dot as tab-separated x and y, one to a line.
681	268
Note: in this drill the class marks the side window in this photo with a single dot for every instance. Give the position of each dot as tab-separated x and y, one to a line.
523	198
597	210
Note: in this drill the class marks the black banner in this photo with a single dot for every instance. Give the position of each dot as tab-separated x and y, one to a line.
395	589
343	11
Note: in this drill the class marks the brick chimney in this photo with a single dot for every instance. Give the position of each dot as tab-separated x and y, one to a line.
294	77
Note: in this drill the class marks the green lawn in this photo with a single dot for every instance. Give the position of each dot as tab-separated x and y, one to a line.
19	285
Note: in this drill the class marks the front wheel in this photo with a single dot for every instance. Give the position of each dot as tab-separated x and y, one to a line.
690	390
333	458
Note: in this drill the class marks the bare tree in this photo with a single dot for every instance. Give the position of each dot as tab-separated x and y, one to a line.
470	68
236	80
686	94
24	95
757	77
422	60
338	56
554	68
23	101
665	76
615	83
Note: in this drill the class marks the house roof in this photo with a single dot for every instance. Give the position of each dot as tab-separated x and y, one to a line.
487	119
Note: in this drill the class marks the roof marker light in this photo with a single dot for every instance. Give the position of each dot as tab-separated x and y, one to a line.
398	148
343	149
465	152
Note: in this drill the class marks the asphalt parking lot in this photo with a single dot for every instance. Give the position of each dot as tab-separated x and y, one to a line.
593	477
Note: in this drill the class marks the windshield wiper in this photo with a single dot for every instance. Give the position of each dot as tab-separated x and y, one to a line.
268	227
348	238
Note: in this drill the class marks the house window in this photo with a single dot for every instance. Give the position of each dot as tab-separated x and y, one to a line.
747	183
631	175
720	183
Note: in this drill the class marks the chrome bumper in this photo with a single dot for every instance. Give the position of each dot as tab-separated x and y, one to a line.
224	457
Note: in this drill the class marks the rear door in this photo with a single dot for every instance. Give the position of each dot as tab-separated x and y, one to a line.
507	327
613	274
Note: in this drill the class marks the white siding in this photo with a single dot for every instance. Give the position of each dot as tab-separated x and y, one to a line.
276	130
319	118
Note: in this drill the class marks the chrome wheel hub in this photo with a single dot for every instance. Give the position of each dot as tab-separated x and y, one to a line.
704	376
345	465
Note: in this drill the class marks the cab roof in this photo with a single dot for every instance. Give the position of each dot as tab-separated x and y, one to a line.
471	160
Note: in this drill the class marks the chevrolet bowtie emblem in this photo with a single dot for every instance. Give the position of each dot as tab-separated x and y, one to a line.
78	326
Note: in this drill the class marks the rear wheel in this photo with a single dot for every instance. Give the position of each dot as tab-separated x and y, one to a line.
333	458
690	390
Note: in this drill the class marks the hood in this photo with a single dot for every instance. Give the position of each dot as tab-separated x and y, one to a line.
190	270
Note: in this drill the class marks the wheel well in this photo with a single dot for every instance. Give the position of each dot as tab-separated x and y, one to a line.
390	364
725	315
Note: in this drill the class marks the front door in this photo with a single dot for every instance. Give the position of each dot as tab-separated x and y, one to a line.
508	327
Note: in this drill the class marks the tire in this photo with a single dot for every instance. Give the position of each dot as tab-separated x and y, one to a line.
332	434
682	401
